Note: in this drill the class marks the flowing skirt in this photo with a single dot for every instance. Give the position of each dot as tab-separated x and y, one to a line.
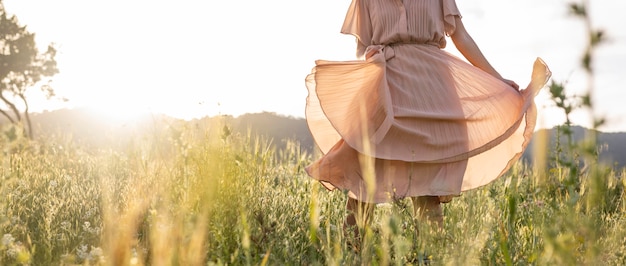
414	120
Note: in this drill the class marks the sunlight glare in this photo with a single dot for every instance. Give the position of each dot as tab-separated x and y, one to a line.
119	113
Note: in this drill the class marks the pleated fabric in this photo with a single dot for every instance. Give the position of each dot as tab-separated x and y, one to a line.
412	119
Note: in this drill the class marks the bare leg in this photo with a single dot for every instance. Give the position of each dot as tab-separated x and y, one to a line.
359	215
428	207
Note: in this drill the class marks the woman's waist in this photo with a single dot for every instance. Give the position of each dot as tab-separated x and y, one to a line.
389	50
430	43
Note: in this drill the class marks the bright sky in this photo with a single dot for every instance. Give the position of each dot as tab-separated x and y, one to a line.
195	58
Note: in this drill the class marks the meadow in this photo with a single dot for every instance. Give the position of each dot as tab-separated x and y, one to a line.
201	194
206	196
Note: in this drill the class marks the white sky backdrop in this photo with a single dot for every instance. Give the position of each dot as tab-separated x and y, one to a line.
196	58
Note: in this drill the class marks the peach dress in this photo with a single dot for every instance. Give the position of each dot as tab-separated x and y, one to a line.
412	119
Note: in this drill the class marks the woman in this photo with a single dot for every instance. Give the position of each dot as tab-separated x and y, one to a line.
409	119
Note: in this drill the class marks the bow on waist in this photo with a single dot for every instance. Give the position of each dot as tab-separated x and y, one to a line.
387	49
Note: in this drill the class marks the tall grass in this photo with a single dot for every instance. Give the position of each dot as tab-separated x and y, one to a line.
194	197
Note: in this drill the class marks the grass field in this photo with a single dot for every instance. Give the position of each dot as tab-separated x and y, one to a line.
190	195
202	197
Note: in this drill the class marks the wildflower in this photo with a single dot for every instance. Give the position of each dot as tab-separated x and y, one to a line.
81	252
88	253
7	239
90	213
65	225
95	253
86	225
12	253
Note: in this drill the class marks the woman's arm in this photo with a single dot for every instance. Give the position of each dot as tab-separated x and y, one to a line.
466	45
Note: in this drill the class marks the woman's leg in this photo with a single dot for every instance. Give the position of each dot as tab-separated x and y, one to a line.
359	215
429	208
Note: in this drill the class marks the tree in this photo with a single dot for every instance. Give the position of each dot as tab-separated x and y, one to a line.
21	68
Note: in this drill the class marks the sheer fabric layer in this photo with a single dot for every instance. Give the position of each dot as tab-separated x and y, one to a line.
451	133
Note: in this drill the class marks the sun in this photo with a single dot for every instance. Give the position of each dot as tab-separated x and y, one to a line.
117	113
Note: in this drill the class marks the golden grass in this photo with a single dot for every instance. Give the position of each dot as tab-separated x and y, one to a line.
206	198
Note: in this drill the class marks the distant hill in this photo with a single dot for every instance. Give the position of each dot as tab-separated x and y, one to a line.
93	129
276	127
611	146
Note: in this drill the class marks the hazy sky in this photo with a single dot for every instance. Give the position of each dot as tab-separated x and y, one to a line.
195	58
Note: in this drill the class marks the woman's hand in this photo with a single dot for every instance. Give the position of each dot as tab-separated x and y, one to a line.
511	83
371	52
